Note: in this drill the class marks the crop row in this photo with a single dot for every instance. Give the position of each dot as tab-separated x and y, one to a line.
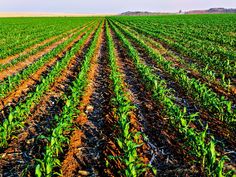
13	60
206	47
61	114
183	45
203	73
214	28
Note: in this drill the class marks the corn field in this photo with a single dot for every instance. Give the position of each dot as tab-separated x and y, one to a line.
118	96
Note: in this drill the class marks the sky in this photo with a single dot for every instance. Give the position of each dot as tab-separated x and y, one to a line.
109	6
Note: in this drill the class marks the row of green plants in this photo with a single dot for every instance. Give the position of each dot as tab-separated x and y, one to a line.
218	34
127	141
15	28
204	46
32	31
11	82
210	73
37	49
210	38
204	97
57	139
222	67
19	28
20	44
204	73
13	40
198	143
15	120
213	28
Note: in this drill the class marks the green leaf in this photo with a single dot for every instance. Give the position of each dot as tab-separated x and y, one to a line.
49	168
120	143
38	172
68	103
126	130
183	122
10	118
213	152
154	171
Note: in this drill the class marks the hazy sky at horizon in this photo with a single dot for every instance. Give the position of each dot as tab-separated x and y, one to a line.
109	6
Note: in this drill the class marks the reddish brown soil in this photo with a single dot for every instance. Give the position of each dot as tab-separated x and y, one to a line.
70	164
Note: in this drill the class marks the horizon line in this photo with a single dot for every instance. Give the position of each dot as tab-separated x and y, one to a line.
53	14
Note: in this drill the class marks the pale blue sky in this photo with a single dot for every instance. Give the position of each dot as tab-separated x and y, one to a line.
109	6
